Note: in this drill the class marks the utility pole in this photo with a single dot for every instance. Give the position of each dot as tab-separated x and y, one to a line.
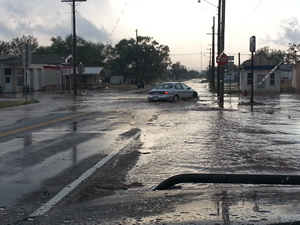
26	58
137	75
74	57
213	55
210	69
221	46
239	83
74	48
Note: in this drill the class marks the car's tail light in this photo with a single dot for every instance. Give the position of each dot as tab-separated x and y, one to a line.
166	92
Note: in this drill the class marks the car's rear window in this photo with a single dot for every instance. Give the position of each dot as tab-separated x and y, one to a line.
164	86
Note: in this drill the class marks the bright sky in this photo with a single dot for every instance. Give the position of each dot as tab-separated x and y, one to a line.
183	25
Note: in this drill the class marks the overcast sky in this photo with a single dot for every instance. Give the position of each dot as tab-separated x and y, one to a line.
183	25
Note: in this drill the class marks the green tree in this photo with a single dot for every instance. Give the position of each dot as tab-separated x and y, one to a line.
193	74
122	58
91	54
4	48
141	59
179	71
88	53
273	55
292	55
15	46
153	58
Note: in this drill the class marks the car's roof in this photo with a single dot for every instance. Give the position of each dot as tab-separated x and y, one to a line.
171	82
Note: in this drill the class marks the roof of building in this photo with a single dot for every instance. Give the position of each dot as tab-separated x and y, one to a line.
53	59
93	70
260	67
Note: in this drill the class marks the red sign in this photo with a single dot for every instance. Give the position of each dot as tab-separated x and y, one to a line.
222	59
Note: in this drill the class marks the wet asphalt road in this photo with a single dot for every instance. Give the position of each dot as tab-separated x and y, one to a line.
184	137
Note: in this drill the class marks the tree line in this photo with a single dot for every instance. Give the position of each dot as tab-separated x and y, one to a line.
142	58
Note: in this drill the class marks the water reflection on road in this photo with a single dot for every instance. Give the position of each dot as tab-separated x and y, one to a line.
191	137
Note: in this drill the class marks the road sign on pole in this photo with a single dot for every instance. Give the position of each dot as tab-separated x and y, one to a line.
222	59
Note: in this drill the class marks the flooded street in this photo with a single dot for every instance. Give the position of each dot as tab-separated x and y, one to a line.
198	137
193	136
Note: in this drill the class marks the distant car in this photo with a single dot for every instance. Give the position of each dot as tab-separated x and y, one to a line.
171	91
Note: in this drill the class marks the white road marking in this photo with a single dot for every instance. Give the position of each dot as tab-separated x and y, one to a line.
64	192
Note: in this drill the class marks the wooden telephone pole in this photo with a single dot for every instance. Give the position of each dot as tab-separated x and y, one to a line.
74	41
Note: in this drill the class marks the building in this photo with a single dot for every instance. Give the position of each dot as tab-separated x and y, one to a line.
44	71
264	79
296	77
266	76
286	72
91	78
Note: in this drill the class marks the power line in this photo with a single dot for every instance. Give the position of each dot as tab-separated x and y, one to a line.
242	25
117	22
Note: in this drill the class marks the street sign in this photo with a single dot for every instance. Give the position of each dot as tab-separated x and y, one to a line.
222	59
231	58
26	54
81	68
252	44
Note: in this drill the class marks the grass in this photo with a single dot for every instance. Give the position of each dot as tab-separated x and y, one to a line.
7	104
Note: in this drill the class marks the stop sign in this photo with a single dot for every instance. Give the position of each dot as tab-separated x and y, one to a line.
222	59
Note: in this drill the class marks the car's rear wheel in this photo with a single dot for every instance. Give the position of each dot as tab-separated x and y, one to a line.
175	98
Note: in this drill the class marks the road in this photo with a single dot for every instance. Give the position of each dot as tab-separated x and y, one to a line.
48	146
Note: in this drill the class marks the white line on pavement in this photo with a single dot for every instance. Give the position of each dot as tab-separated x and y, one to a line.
64	192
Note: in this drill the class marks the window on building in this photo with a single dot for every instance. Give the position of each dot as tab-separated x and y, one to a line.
7	71
272	79
7	80
260	81
249	79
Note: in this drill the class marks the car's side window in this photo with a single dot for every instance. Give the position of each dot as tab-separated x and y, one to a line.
178	86
168	86
185	87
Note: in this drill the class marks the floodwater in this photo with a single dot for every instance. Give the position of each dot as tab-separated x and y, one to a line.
194	136
199	137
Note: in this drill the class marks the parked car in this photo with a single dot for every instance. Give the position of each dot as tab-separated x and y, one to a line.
171	91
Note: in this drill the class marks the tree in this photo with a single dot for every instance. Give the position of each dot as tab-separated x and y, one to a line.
88	53
144	59
269	54
292	55
91	54
15	46
152	58
179	71
4	48
58	46
122	58
193	74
